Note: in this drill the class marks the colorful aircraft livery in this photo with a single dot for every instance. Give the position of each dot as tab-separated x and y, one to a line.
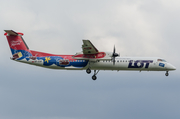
89	59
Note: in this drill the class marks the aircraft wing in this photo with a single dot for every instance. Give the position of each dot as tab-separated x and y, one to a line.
90	52
89	48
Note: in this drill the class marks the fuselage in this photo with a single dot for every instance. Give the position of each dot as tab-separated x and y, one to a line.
67	62
134	63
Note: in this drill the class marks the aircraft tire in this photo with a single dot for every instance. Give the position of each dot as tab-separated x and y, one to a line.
167	74
88	71
94	77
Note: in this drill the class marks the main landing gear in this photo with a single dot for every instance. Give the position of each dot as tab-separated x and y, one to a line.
167	73
95	73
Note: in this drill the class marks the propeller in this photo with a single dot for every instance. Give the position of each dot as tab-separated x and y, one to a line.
114	55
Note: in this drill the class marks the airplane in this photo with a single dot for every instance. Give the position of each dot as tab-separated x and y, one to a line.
89	59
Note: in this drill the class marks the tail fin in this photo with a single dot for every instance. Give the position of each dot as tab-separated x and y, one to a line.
17	44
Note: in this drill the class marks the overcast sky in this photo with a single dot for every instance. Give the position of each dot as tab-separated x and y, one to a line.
148	28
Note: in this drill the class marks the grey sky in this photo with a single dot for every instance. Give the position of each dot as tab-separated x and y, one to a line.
137	28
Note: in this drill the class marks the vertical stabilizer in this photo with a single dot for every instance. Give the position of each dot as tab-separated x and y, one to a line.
17	44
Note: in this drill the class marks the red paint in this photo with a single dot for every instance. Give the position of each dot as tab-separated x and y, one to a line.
17	33
88	48
95	56
42	54
20	33
16	43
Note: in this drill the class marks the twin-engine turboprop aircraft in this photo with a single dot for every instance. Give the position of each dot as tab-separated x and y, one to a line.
89	59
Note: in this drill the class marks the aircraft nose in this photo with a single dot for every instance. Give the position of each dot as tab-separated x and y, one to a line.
170	67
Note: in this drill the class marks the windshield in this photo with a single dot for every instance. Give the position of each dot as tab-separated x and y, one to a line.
161	60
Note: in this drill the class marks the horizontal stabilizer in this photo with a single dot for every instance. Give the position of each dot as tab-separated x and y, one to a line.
11	32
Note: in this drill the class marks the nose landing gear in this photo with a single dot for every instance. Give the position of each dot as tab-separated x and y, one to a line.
167	73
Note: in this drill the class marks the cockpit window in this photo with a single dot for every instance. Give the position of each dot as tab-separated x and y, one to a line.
161	60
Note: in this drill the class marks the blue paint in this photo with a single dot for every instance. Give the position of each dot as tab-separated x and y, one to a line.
24	53
141	62
53	59
161	64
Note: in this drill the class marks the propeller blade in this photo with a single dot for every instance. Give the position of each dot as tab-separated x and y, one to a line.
113	60
114	55
114	50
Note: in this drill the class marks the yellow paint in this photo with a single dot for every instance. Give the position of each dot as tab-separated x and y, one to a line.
19	54
47	59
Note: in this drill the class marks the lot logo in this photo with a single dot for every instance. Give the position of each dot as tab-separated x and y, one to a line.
139	63
161	64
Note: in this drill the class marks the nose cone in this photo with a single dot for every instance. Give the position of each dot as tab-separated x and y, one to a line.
170	67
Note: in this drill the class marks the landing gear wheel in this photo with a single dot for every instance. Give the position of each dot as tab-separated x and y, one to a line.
94	77
167	74
88	71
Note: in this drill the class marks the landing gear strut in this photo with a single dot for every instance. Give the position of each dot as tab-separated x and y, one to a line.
167	73
88	71
95	73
